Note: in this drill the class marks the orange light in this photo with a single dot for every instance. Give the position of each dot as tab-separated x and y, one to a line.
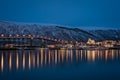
2	63
10	61
23	61
17	61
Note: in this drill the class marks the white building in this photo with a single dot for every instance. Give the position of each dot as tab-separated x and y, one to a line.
90	41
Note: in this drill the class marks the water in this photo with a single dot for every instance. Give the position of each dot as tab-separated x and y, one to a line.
60	65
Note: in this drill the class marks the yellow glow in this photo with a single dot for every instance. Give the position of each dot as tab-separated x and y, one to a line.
62	54
17	61
85	53
49	57
45	58
29	61
93	55
101	56
2	63
106	55
76	55
81	55
88	55
59	56
41	58
71	54
66	55
33	56
52	55
98	54
63	51
23	61
90	41
38	59
10	61
55	56
112	54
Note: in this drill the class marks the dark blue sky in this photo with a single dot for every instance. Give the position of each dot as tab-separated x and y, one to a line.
64	12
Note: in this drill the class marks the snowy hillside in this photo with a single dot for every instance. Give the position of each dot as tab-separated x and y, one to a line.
59	32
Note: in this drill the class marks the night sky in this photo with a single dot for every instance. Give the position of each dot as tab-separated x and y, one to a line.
100	13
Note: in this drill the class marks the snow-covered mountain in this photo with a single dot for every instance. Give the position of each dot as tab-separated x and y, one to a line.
59	32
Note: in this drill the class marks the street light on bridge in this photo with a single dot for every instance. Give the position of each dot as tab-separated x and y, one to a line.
2	35
17	35
29	35
23	35
10	35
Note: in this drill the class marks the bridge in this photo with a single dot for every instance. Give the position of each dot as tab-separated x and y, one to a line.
33	37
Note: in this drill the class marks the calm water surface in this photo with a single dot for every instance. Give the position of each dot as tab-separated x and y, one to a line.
60	65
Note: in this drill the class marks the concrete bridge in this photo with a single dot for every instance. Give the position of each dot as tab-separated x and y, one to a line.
30	39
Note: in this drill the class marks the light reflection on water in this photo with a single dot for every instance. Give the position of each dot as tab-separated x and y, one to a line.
30	59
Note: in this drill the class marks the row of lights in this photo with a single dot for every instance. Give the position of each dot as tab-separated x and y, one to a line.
56	40
2	35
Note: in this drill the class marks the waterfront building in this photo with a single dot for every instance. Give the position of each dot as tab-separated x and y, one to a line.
108	43
90	41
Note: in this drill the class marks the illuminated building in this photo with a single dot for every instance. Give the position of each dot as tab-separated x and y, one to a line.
91	42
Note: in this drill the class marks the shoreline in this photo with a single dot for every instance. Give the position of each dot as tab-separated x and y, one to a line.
35	48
